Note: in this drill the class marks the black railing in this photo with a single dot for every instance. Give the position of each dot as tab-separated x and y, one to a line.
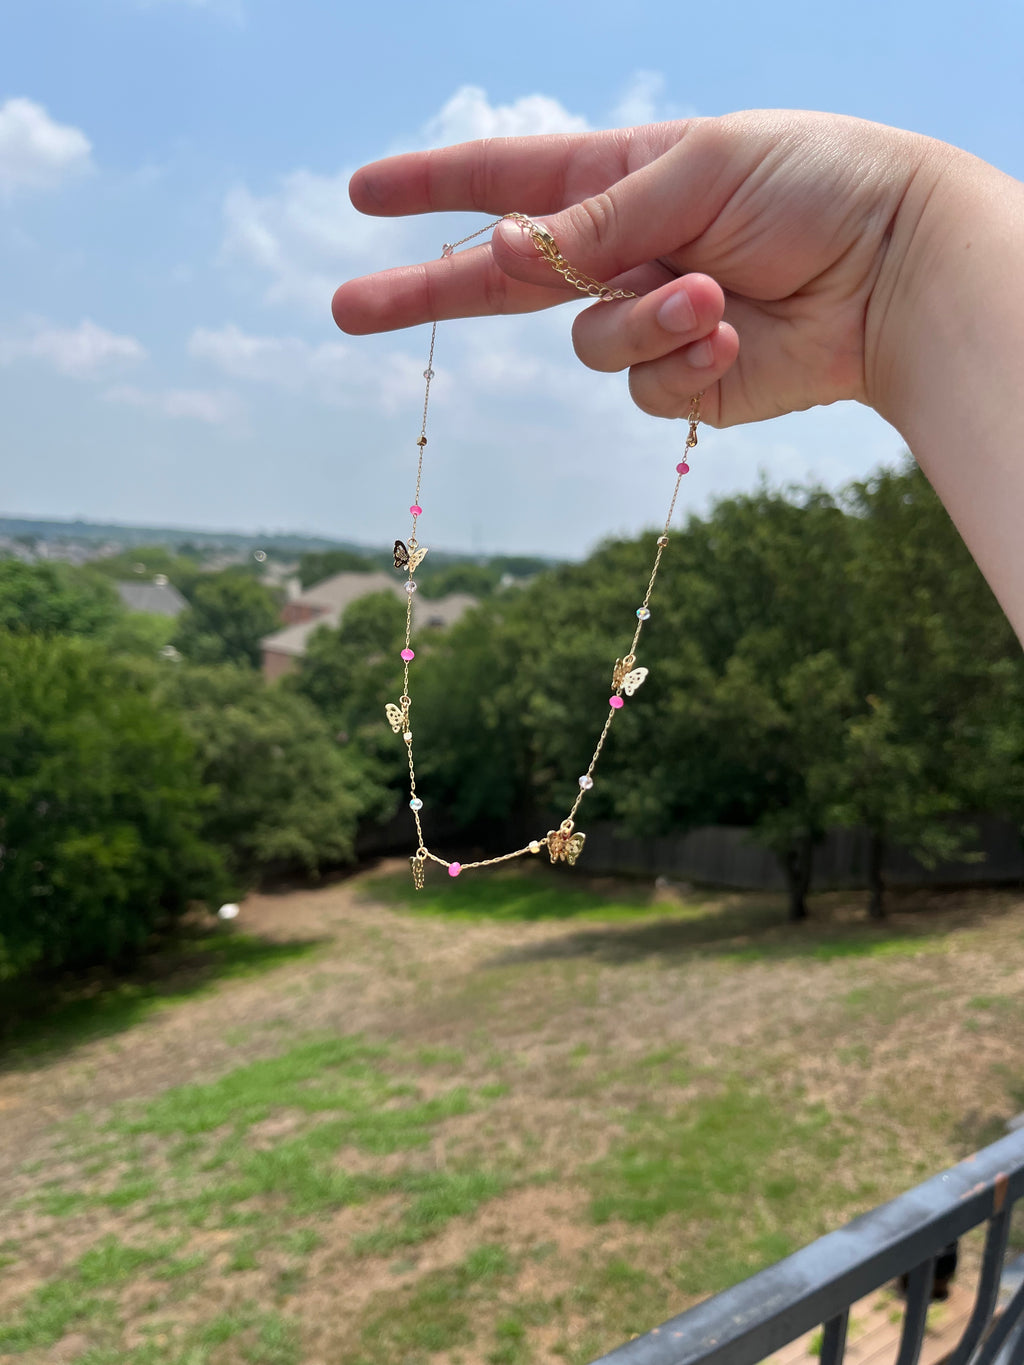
817	1286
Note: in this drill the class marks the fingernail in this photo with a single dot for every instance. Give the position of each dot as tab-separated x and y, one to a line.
676	313
700	354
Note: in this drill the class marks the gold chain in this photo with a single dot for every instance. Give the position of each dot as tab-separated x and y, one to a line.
563	843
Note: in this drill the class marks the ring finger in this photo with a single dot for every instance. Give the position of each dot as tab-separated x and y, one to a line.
683	312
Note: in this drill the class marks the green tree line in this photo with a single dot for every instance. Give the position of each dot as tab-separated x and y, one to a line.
814	660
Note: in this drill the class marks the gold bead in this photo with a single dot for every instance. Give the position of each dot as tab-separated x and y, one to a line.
534	846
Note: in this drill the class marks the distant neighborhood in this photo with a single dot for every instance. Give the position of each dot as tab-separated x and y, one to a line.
283	563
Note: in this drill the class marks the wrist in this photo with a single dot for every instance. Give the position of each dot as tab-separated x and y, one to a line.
948	290
947	365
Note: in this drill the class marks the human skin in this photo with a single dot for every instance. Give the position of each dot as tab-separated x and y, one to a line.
781	260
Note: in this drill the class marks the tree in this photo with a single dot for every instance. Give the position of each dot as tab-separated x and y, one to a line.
101	805
933	656
229	615
316	565
54	599
289	798
142	563
349	671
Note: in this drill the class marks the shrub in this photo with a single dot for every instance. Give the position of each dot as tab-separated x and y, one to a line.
101	807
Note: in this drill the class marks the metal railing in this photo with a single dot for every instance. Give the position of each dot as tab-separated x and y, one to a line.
817	1286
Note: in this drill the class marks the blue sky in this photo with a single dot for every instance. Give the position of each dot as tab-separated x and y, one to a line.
173	220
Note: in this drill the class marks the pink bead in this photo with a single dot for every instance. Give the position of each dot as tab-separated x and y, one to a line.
408	654
454	869
616	703
416	510
682	468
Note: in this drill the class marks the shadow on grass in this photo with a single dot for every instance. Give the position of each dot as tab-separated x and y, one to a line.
44	1019
631	922
745	932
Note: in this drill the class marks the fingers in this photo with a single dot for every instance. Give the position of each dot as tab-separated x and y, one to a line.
645	214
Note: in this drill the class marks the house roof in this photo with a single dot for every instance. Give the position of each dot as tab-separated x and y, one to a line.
158	599
335	594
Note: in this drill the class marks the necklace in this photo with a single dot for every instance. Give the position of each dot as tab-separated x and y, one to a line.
564	844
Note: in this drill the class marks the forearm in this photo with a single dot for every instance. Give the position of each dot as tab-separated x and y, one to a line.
950	371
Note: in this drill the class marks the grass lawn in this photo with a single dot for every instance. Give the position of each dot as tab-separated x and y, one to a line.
517	1118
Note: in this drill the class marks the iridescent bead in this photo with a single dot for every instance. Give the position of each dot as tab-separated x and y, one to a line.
408	655
410	586
454	869
415	803
642	614
586	781
534	846
408	736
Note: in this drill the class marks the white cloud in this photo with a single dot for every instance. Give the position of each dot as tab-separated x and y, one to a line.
638	102
304	237
644	101
332	372
83	352
469	115
215	407
36	152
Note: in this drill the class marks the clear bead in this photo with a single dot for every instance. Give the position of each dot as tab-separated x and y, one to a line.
447	249
586	782
415	803
410	586
428	374
407	736
642	614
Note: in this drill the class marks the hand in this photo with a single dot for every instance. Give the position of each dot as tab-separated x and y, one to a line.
804	220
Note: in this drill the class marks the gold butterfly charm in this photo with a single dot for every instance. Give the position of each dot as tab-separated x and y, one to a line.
409	556
563	844
626	676
398	717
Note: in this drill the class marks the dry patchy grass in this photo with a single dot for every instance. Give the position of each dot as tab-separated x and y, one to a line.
445	1136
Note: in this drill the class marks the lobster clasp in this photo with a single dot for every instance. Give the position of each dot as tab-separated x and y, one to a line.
544	242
